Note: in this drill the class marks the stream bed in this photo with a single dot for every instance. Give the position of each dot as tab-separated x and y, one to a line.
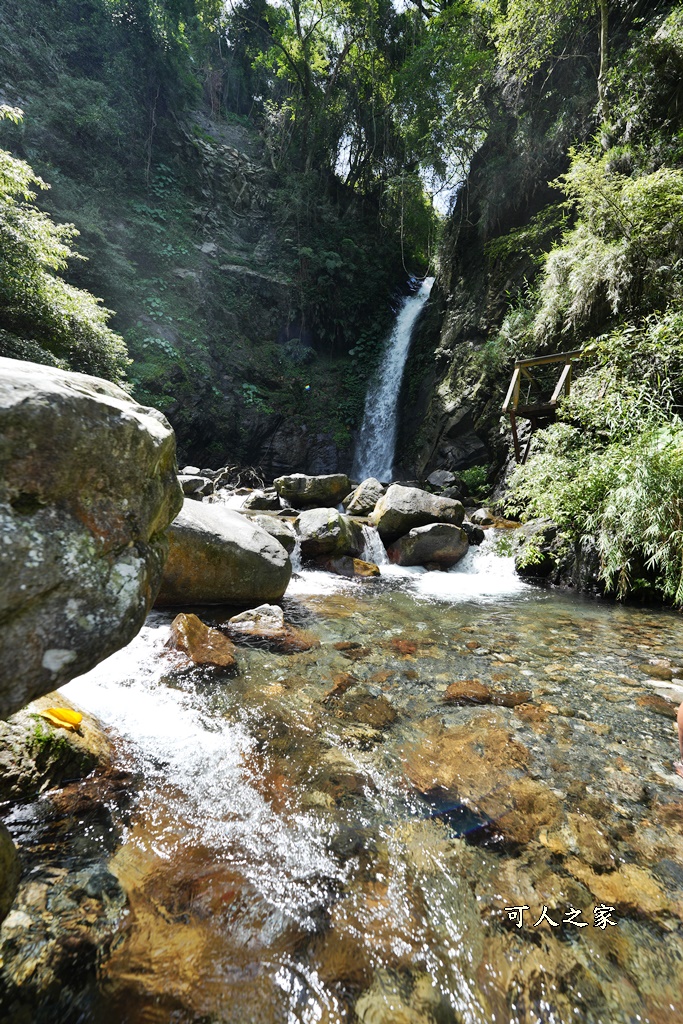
334	835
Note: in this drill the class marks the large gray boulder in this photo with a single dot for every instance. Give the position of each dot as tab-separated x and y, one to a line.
219	556
362	501
278	528
402	509
88	488
324	531
439	544
303	491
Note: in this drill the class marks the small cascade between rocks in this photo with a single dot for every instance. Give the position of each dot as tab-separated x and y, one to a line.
295	556
373	549
377	441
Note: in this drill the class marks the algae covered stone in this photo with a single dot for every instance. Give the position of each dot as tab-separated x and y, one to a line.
324	531
303	491
88	488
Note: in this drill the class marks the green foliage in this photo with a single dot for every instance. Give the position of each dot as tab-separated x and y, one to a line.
625	253
614	470
474	478
62	322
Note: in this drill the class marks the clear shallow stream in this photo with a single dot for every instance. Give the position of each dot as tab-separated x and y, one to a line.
324	838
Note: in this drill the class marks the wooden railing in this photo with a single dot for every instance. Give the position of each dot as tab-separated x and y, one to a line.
539	411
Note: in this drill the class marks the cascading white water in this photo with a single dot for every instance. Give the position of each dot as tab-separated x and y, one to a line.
373	549
377	442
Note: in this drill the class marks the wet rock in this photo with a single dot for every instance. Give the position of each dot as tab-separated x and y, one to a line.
439	544
511	698
482	517
262	501
660	705
280	529
630	889
324	531
202	644
218	556
352	650
88	487
544	552
475	534
350	567
10	871
658	670
36	755
467	691
362	501
303	491
267	624
480	763
590	841
441	478
341	683
376	712
195	486
403	509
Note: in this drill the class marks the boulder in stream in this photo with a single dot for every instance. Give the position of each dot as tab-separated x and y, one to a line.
218	556
88	487
202	644
266	625
402	509
324	531
303	491
278	528
439	544
362	501
345	565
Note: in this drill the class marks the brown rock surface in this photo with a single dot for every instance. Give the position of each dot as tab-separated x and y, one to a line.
467	691
202	644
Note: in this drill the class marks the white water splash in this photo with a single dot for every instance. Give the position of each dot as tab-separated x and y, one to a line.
175	738
482	575
373	549
377	442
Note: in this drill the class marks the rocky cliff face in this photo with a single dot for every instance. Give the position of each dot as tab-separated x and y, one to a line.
454	387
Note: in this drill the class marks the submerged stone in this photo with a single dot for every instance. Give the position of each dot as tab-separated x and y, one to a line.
266	624
467	691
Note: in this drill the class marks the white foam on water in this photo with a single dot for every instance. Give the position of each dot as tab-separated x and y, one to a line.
179	743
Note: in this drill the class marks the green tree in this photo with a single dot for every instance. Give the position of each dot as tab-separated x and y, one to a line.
42	317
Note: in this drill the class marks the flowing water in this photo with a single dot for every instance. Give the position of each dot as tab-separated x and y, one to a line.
325	837
377	441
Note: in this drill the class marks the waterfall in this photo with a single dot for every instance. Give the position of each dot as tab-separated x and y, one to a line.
373	549
377	442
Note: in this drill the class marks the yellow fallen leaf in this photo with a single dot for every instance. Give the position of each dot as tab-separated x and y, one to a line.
64	717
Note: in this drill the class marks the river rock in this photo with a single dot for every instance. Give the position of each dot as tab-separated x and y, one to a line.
467	691
347	566
283	531
262	501
88	487
36	754
303	491
267	623
403	509
10	871
202	644
482	517
218	556
475	534
439	543
441	478
324	531
362	501
195	486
